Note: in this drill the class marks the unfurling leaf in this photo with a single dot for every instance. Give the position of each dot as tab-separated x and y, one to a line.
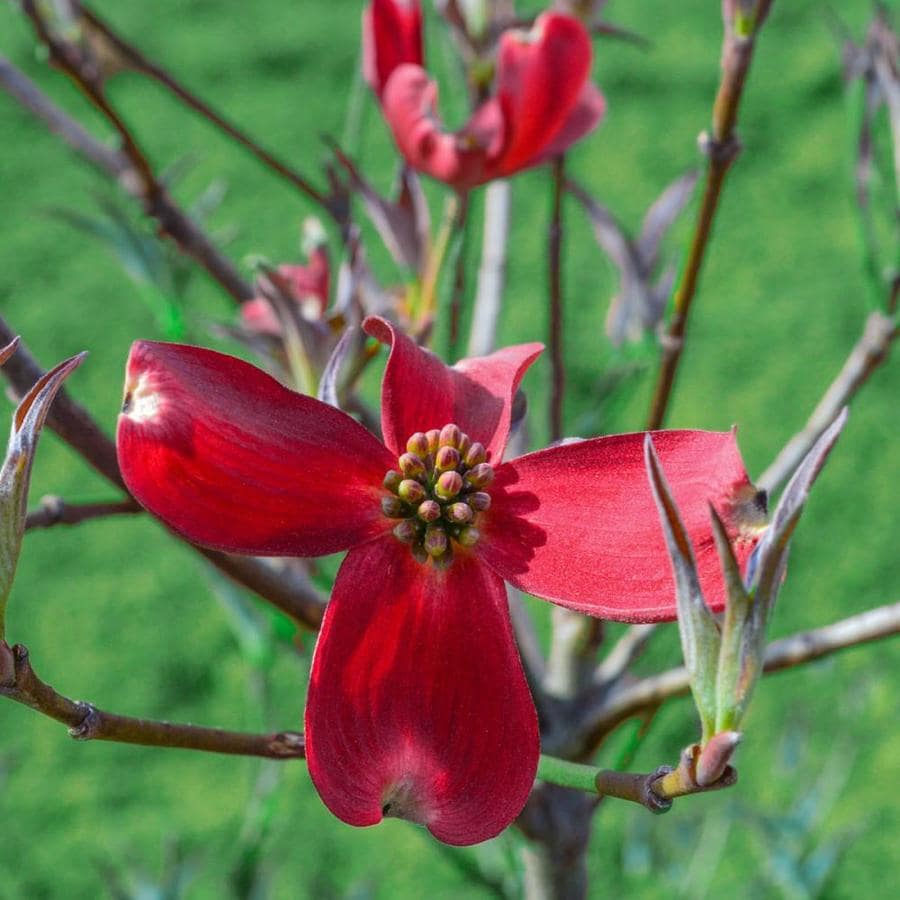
700	637
15	474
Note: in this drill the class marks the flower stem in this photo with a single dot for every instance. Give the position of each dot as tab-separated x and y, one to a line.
424	314
567	774
721	147
555	336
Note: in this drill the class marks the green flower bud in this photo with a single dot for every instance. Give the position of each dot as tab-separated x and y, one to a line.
480	476
411	465
418	445
392	481
447	458
469	536
445	560
419	554
393	507
465	442
434	440
435	542
411	491
429	511
459	514
479	501
475	455
448	485
450	436
407	531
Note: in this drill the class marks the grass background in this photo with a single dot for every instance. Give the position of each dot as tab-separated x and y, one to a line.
117	612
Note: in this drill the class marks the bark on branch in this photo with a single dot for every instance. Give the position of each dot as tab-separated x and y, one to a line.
19	683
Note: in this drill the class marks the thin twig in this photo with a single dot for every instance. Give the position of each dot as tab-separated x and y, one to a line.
492	272
144	185
55	511
21	88
555	337
869	352
623	654
459	280
18	682
721	147
804	647
283	588
147	67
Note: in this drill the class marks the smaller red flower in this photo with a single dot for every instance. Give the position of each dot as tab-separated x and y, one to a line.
309	286
392	35
543	102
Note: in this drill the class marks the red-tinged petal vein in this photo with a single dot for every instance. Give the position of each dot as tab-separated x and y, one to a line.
540	77
231	459
417	705
421	392
576	524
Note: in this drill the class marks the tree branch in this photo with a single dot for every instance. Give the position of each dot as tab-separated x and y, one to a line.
145	66
54	510
284	589
804	647
492	272
140	182
869	352
721	148
554	340
19	683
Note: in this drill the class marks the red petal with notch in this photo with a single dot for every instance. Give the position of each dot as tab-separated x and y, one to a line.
576	524
583	119
418	706
392	35
231	459
409	105
540	78
421	392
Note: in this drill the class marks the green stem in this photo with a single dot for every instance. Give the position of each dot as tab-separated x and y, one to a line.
568	774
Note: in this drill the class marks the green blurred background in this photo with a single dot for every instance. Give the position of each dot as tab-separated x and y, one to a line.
117	612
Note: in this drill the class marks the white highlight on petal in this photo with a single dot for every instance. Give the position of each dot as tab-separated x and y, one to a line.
142	402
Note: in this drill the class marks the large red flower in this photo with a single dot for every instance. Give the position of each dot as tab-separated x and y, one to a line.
543	98
417	704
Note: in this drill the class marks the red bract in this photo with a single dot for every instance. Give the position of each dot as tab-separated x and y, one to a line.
543	102
417	704
308	286
392	35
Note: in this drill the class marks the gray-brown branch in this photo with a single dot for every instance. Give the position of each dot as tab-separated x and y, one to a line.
804	647
19	683
870	351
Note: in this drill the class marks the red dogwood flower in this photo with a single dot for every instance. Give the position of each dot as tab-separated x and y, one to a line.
308	286
417	703
543	98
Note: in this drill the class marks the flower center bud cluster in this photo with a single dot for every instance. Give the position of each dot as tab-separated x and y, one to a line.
437	492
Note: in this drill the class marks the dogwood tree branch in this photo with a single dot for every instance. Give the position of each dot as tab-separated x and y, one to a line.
55	511
630	699
145	66
19	683
869	352
21	88
141	181
492	271
721	147
283	588
554	338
